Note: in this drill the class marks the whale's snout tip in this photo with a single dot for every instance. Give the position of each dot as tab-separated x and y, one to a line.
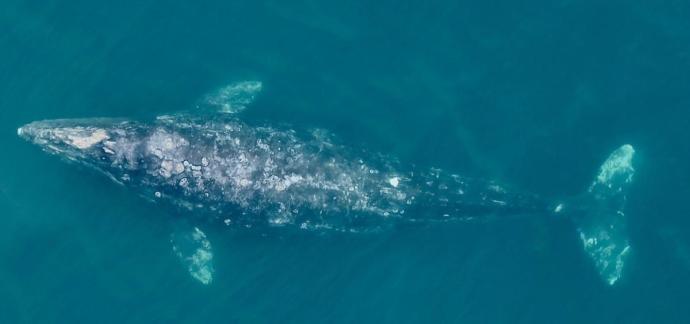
26	131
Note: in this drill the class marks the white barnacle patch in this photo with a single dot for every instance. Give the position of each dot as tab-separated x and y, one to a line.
167	147
262	145
269	165
179	168
123	149
286	182
166	168
109	147
163	144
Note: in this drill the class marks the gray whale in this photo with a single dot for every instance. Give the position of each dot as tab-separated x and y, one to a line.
216	168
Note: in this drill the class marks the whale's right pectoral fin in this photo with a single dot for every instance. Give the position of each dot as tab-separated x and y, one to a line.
193	248
230	99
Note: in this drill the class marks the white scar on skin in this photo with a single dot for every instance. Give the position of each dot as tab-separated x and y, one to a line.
84	142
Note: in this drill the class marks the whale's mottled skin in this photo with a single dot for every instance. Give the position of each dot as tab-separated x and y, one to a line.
216	168
239	174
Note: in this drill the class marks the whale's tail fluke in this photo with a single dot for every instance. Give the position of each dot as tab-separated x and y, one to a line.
599	214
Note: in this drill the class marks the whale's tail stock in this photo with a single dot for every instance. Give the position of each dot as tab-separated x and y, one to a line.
599	214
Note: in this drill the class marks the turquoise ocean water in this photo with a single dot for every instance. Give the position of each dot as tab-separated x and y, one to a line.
532	94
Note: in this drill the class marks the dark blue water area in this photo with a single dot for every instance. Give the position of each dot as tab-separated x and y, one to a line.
534	95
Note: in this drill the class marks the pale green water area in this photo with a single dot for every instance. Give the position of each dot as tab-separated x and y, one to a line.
531	94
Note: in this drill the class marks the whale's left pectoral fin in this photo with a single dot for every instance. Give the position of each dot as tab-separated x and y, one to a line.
230	99
193	248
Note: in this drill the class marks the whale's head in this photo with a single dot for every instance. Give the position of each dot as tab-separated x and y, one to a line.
108	145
